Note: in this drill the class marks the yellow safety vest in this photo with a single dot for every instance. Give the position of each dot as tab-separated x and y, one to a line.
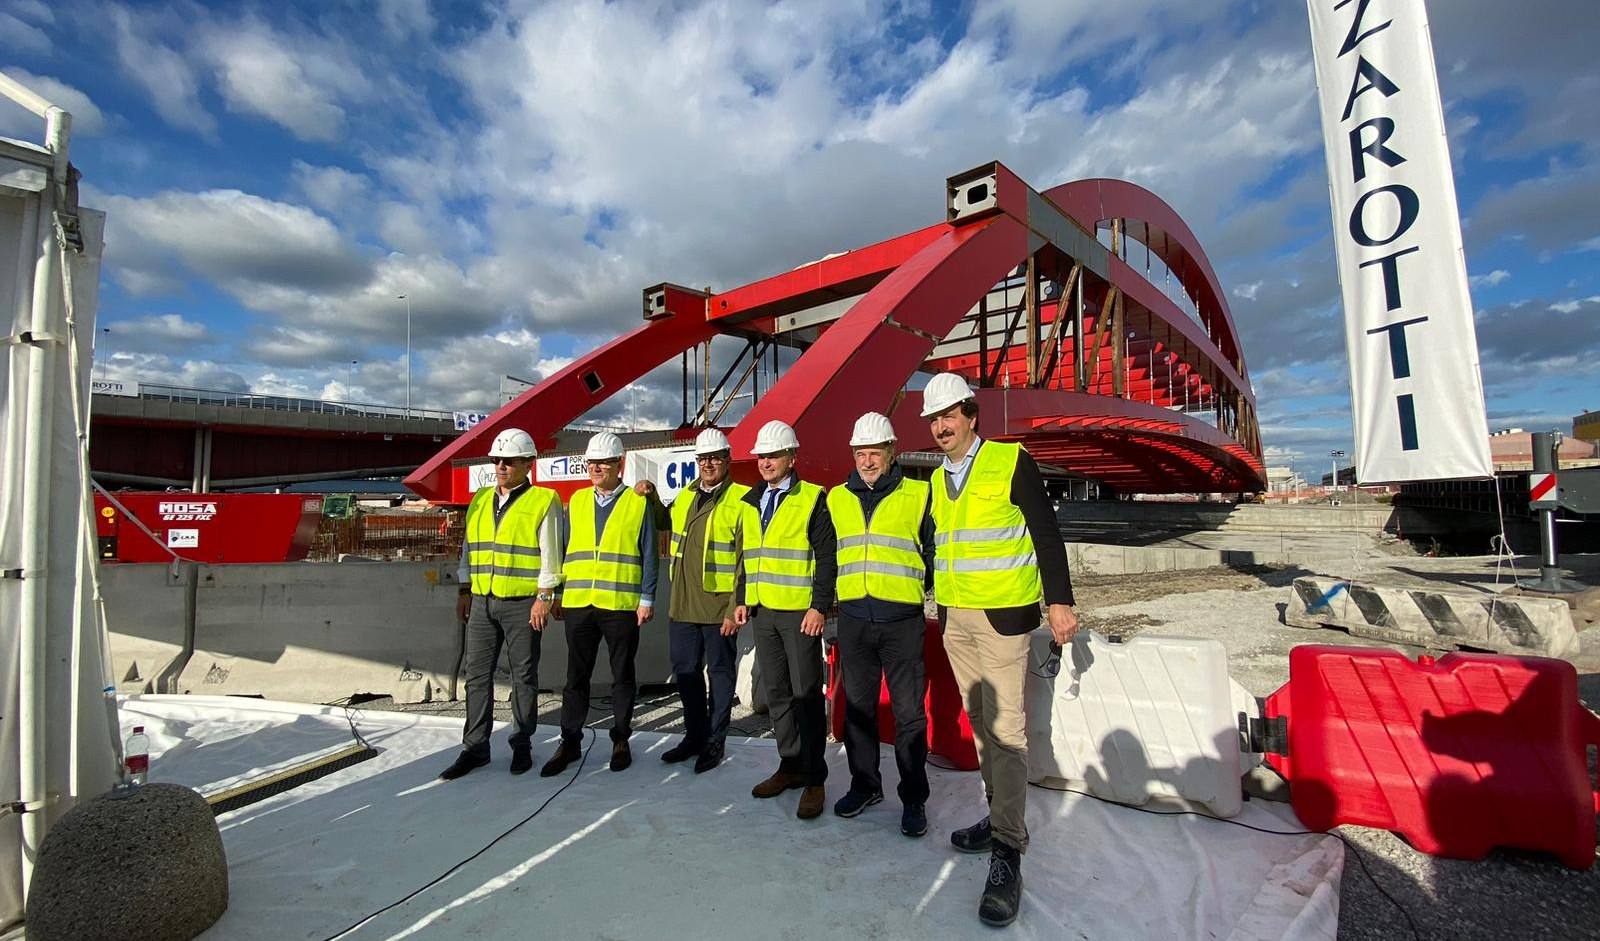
722	535
604	572
983	553
778	563
880	557
504	558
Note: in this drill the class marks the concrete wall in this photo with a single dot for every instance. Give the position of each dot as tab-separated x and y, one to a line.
1247	516
316	632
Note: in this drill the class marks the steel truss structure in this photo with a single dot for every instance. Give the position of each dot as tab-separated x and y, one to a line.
1035	297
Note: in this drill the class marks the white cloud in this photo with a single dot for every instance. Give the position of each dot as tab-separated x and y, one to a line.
24	37
334	190
1491	279
167	76
296	83
1568	307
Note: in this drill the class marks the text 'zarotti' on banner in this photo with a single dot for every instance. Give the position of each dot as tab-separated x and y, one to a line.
1414	379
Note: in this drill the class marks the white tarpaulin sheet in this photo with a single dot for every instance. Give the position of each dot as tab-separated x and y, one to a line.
660	852
1414	382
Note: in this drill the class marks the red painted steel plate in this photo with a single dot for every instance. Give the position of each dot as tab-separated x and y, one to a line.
1458	755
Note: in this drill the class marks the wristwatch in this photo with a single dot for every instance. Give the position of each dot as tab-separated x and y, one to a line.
546	596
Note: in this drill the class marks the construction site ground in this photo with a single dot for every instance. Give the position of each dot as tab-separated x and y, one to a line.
1508	895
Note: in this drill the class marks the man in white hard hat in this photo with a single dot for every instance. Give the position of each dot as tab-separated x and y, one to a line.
510	567
706	517
608	592
885	539
998	553
788	574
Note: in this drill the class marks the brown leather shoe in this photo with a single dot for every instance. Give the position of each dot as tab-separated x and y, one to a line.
779	782
811	801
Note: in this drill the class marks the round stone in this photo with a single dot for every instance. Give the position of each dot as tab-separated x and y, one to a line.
145	867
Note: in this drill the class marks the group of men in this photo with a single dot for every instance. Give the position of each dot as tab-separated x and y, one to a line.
775	559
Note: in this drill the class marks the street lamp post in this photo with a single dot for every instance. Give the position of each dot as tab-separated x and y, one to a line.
1336	455
407	299
351	385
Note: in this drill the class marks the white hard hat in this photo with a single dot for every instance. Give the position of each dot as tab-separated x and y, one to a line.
513	442
871	428
711	441
603	446
943	391
773	437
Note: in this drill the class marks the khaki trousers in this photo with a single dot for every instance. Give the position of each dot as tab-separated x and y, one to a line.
991	670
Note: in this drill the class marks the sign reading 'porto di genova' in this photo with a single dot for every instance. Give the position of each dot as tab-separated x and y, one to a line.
1414	380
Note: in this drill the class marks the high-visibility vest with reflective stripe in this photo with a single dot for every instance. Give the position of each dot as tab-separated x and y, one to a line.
983	554
721	552
504	559
778	563
880	557
604	572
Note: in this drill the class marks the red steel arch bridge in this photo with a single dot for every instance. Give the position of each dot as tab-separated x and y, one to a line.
1087	316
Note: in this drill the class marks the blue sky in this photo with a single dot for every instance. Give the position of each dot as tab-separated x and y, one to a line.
275	174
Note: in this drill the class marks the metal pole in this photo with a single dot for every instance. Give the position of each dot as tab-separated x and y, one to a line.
1546	445
407	299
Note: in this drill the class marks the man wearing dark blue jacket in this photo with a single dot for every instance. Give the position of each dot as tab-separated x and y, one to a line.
885	557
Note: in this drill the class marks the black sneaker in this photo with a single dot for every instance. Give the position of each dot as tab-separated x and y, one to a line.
977	838
682	751
710	757
464	765
914	820
854	802
1002	893
521	760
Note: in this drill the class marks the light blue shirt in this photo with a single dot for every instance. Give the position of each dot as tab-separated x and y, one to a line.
771	493
958	469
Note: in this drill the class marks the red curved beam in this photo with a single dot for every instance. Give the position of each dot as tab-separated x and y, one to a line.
1091	202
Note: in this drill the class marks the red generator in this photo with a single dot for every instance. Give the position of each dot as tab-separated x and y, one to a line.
1458	755
949	730
207	527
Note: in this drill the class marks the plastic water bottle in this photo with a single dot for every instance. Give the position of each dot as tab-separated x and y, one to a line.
136	755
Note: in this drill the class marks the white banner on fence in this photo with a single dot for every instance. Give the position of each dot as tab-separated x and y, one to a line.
1414	381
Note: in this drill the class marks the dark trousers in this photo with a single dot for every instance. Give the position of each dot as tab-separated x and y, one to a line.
697	647
495	622
586	627
791	676
869	653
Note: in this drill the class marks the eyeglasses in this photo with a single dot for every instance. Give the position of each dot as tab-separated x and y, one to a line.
608	462
711	459
509	461
1052	663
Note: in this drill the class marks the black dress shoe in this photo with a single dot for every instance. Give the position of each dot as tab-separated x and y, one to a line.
710	757
682	751
977	838
565	755
521	760
1002	893
621	756
464	764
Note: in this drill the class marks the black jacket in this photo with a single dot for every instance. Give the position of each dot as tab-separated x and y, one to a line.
819	532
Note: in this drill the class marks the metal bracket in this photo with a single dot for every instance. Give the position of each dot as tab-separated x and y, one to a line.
13	573
29	338
1265	736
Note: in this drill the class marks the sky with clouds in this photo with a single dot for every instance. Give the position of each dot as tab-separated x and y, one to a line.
274	174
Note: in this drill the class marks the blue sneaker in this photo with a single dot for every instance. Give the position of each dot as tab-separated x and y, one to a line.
854	802
914	820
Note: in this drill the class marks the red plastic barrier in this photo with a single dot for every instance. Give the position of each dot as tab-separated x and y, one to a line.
1458	755
949	731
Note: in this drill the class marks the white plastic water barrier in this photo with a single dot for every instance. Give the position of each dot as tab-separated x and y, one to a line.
1152	717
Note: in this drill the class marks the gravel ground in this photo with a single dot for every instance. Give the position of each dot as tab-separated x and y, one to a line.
1506	896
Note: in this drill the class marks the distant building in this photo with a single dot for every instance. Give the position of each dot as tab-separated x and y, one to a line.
1512	450
1587	426
1284	480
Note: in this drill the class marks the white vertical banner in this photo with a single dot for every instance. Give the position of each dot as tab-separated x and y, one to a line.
1414	380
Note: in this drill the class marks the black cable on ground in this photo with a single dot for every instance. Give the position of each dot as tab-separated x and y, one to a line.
490	845
1195	813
